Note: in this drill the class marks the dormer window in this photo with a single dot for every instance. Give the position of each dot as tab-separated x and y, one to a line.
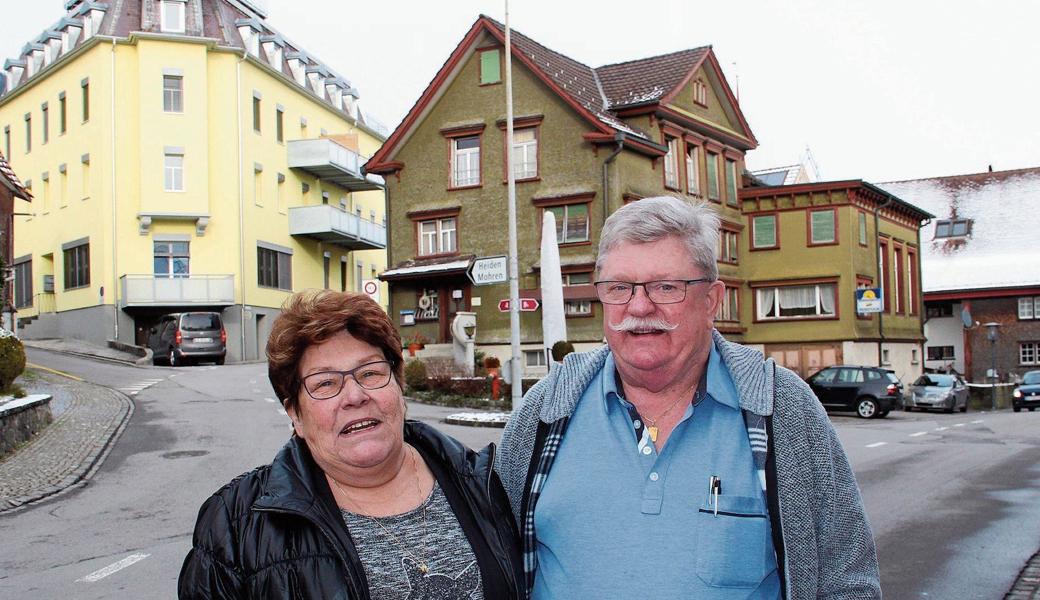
952	228
172	16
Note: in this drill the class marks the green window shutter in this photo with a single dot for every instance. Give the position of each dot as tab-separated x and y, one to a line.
863	229
490	67
731	182
822	227
713	176
764	231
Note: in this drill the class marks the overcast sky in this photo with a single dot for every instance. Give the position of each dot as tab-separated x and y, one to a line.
879	90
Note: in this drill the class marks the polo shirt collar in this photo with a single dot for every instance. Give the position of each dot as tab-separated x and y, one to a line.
720	385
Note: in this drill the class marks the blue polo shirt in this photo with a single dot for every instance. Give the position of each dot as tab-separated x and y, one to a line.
617	519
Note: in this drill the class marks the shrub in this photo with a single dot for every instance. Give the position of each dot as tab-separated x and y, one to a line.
12	360
415	375
560	349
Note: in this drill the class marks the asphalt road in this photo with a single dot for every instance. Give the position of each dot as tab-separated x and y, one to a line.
953	499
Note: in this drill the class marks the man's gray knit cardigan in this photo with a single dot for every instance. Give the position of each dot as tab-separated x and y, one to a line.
824	545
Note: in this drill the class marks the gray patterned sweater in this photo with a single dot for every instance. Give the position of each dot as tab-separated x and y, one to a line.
824	544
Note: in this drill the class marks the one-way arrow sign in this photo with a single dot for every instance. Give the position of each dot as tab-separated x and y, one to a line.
488	270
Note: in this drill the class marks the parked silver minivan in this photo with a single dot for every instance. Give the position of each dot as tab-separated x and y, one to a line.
183	338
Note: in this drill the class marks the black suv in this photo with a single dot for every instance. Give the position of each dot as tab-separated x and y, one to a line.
870	391
181	338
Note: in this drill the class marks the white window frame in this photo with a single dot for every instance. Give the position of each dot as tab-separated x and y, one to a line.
538	357
671	164
438	236
465	163
577	308
728	249
693	170
561	224
525	154
173	172
178	25
1028	353
763	307
1028	308
173	97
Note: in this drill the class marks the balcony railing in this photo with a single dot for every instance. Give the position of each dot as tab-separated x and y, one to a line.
161	290
330	224
326	159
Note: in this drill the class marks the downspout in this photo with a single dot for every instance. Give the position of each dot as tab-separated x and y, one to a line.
877	261
115	238
619	139
241	215
389	245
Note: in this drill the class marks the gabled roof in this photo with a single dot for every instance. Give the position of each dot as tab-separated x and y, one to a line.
594	93
1000	250
10	181
649	79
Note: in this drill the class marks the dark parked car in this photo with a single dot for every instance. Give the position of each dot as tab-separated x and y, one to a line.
1027	394
935	390
182	338
870	391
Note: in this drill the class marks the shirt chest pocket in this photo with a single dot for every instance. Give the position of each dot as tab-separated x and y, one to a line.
734	545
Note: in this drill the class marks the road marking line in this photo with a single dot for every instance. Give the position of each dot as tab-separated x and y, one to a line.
272	400
958	424
282	412
977	422
919	433
55	371
876	444
113	568
941	428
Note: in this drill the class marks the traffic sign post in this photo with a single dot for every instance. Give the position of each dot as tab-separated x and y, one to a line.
371	288
526	305
489	270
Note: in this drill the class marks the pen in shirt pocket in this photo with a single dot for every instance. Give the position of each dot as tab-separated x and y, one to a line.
715	489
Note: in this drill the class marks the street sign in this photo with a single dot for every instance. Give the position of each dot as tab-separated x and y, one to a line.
371	288
526	305
488	270
869	300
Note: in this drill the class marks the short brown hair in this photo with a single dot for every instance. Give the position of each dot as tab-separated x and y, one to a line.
312	317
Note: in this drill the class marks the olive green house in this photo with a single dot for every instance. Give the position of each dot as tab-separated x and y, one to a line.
810	247
586	141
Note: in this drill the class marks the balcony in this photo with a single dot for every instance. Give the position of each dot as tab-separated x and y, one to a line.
330	161
330	224
194	290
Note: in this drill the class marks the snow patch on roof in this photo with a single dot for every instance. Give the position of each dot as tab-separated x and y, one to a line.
1001	249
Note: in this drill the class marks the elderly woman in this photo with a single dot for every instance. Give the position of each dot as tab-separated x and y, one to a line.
360	503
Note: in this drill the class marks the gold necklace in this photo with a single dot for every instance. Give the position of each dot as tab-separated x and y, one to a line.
421	559
652	429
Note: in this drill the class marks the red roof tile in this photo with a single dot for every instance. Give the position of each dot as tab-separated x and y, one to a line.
9	180
648	79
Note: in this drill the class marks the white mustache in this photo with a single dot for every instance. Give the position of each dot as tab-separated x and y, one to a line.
642	324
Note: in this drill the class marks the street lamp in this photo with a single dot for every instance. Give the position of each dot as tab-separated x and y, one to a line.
991	335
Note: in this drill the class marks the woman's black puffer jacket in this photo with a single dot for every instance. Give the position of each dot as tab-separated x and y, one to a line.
276	531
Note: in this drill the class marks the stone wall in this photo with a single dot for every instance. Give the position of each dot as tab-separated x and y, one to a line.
21	419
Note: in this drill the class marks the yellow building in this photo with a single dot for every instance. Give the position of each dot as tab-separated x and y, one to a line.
183	155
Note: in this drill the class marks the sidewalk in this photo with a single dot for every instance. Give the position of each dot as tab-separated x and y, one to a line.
86	349
88	421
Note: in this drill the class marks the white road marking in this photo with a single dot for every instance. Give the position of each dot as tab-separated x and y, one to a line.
282	412
112	568
977	422
941	428
270	400
876	444
919	433
958	424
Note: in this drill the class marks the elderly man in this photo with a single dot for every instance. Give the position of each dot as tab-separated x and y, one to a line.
672	463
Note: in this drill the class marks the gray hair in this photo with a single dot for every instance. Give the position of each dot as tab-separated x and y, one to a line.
651	219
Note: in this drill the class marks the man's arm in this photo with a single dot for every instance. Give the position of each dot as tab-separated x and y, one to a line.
517	446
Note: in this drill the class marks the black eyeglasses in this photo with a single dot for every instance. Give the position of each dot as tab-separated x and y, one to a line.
661	291
326	384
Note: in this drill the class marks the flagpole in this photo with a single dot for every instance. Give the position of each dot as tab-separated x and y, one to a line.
514	265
